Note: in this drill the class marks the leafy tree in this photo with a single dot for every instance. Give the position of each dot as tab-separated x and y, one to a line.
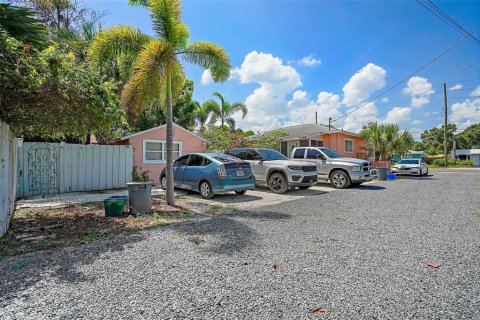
222	138
49	94
433	138
469	138
63	14
225	110
157	77
386	140
202	114
270	139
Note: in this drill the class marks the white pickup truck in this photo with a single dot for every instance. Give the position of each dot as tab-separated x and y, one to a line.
331	166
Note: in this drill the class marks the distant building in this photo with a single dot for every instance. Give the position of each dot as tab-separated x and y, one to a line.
467	154
346	143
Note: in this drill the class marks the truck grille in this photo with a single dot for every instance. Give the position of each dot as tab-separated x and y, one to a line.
309	179
367	167
309	168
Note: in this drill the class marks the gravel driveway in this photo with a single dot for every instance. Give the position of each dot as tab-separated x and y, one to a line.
359	253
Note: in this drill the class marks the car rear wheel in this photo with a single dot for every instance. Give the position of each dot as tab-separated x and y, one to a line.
163	182
241	193
339	179
206	190
278	183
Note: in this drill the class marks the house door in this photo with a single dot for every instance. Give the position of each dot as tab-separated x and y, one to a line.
42	169
292	145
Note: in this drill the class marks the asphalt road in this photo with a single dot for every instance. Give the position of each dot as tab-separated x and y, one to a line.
360	253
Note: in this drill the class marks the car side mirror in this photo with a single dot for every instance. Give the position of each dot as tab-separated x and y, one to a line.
320	157
258	158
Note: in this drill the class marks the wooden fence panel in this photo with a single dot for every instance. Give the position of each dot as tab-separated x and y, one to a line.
8	176
77	168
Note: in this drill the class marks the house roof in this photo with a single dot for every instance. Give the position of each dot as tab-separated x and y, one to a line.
160	127
309	131
416	152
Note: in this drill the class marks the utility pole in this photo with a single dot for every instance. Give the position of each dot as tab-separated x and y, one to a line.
316	117
445	131
329	124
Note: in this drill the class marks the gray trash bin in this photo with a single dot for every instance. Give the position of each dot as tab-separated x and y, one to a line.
139	197
382	173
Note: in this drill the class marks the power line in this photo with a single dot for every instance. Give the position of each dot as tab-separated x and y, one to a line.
406	78
439	13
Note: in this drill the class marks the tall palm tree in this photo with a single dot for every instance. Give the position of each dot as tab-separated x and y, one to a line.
225	110
157	76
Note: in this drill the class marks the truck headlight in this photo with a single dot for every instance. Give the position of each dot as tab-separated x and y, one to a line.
295	167
356	168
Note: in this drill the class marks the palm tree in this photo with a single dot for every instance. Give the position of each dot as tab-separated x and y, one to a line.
21	24
202	115
386	140
225	110
157	76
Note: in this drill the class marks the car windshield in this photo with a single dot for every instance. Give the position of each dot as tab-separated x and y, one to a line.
408	161
268	154
330	153
225	158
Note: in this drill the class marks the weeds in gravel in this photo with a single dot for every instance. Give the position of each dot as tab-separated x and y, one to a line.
196	239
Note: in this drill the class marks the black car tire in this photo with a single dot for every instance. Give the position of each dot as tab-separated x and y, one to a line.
206	190
278	183
339	179
163	182
241	192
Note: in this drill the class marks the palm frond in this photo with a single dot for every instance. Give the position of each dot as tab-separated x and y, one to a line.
110	44
231	123
239	106
166	16
21	24
209	56
147	86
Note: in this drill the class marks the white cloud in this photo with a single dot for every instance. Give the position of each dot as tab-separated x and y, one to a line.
466	113
206	77
267	105
356	120
385	99
416	122
326	106
476	92
455	87
299	99
309	61
420	90
363	83
398	114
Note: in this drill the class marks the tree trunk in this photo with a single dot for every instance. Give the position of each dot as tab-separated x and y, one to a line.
170	198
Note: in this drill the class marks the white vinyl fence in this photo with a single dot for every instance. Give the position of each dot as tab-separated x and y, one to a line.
8	177
45	168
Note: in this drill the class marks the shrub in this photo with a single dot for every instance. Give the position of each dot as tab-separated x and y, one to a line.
439	162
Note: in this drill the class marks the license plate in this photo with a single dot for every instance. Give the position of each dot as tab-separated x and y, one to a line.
240	174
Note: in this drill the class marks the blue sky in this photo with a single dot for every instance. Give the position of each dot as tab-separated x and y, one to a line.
351	51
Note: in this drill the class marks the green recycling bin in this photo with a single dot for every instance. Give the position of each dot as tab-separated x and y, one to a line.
114	206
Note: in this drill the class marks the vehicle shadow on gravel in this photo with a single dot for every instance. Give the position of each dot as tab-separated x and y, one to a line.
19	273
230	234
427	177
367	187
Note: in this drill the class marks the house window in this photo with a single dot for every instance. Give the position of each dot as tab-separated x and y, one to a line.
316	143
348	146
155	151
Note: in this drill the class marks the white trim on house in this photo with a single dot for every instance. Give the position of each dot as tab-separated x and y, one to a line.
163	151
160	127
345	145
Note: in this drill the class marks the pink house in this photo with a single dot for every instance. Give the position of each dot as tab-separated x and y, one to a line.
150	149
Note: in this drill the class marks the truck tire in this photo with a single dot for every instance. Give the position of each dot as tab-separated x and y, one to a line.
278	183
339	179
163	182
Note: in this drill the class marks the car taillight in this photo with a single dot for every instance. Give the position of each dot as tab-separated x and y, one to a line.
221	172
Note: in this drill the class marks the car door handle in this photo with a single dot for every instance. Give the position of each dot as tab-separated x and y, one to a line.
199	171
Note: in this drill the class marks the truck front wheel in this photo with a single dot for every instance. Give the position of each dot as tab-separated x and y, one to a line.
339	179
